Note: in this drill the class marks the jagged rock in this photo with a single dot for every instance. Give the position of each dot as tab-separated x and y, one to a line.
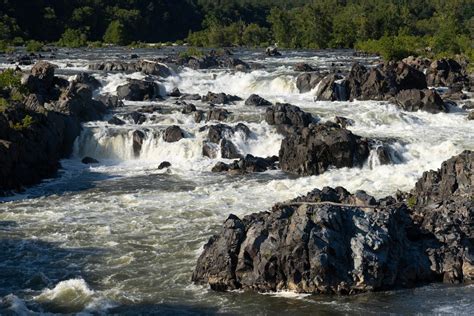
88	80
272	51
77	100
419	63
217	115
317	148
116	121
205	62
89	160
110	101
256	100
189	108
308	81
446	72
135	117
426	100
145	66
198	116
218	141
343	121
138	137
470	116
383	81
175	93
332	88
331	241
249	164
228	150
287	114
164	164
220	98
41	78
303	67
173	134
138	90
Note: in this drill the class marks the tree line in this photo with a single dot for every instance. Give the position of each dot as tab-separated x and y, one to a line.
393	28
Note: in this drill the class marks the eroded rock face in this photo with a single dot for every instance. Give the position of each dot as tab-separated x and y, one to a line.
315	149
144	66
308	81
446	72
256	100
331	241
426	100
173	134
218	141
332	88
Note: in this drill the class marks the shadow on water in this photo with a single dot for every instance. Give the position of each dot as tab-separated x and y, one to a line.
32	265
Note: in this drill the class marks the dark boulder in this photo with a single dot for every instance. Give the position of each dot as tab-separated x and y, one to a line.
135	117
145	66
316	149
272	51
331	241
41	78
308	81
256	100
116	121
287	114
198	116
332	88
110	101
446	72
470	116
175	93
303	67
248	164
138	90
164	164
343	121
188	108
216	114
88	80
425	100
89	160
220	98
173	134
190	97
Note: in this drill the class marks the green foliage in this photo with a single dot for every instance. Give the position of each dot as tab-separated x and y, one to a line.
116	34
34	46
3	105
411	202
191	52
5	47
394	47
73	38
254	35
25	123
9	79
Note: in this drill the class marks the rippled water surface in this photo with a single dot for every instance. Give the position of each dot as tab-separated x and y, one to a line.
122	237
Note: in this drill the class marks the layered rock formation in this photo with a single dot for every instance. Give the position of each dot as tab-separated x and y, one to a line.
331	241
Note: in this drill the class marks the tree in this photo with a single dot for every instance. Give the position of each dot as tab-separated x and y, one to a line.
73	38
116	34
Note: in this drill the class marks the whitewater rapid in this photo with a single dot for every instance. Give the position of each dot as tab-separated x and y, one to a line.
123	236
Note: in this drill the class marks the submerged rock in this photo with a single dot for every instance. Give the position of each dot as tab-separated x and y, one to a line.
89	160
331	241
248	164
164	164
220	98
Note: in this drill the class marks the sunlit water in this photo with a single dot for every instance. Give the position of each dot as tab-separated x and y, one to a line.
123	237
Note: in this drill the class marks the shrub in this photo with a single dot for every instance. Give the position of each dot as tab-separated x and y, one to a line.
73	39
255	36
116	34
3	105
9	79
191	52
411	202
34	46
25	123
5	47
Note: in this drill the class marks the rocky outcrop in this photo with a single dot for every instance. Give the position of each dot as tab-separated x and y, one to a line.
217	114
40	130
248	164
332	88
145	66
446	72
303	67
308	81
425	100
256	100
315	149
331	241
383	81
287	114
138	90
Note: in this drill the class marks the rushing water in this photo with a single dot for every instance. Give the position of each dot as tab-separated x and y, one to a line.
122	237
